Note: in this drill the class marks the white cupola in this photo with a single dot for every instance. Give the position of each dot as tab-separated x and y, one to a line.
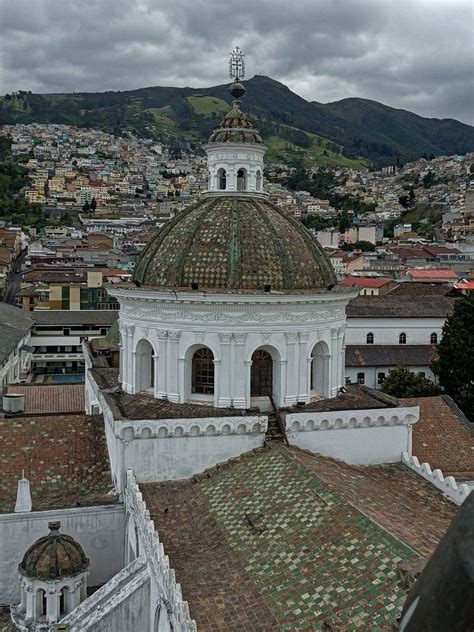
235	152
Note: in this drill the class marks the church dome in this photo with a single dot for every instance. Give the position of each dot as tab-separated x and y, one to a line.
234	242
236	127
53	557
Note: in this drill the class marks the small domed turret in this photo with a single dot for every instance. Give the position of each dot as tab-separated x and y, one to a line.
54	556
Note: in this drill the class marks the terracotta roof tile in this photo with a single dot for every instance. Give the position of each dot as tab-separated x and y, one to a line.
280	539
64	457
442	438
61	398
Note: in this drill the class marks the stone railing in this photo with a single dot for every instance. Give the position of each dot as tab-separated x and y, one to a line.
457	492
158	562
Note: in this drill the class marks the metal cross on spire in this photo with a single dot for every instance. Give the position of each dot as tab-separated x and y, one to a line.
237	64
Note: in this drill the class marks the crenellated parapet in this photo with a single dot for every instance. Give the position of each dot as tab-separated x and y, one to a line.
456	492
152	550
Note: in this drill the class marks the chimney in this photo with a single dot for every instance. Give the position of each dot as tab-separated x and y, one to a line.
23	495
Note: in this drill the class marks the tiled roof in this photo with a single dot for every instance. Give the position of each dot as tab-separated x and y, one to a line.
64	317
234	243
365	282
412	288
389	355
432	273
281	540
443	437
393	306
14	325
64	457
60	398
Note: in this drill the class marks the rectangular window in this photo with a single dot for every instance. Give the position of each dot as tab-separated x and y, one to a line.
380	378
360	378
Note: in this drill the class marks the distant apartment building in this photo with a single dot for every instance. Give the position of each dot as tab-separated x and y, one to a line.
15	345
57	338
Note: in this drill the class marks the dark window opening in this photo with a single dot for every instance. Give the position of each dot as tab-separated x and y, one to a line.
203	372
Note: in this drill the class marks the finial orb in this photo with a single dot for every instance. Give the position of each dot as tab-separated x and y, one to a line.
237	90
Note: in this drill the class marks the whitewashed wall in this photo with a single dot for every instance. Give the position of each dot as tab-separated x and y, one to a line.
232	327
172	449
387	330
99	530
359	437
371	373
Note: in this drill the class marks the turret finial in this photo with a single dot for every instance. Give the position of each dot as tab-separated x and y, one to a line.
237	73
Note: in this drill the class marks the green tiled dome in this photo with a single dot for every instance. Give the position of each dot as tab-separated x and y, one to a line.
234	243
54	556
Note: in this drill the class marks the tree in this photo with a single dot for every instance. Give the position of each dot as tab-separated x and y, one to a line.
87	206
401	382
455	366
93	204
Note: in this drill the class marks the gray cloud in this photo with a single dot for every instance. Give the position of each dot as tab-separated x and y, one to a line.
411	54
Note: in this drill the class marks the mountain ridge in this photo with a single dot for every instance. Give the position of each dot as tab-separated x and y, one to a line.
351	130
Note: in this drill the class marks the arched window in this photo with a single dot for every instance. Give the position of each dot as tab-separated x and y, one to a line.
402	339
360	378
434	338
221	180
242	180
62	603
261	377
370	338
202	380
144	366
258	181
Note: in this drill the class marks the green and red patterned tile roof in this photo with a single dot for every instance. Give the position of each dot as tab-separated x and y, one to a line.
280	539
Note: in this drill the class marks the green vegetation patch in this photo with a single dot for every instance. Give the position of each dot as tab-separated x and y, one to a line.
208	106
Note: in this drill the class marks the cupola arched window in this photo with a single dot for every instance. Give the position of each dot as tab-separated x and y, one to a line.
242	180
222	179
402	339
203	372
434	338
258	181
370	338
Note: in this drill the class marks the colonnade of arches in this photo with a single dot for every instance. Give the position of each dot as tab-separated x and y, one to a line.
242	180
200	381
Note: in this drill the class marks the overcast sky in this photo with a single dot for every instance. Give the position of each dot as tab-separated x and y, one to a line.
411	54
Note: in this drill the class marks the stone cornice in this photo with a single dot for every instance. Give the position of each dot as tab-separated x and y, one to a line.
344	419
129	430
201	298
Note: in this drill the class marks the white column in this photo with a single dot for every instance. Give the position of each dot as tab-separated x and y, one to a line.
183	394
224	370
304	383
52	606
160	366
240	392
280	397
30	602
217	381
333	381
290	393
136	367
173	346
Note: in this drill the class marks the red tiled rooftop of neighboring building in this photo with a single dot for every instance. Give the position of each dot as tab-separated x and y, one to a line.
464	285
64	457
432	273
443	438
366	281
60	398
